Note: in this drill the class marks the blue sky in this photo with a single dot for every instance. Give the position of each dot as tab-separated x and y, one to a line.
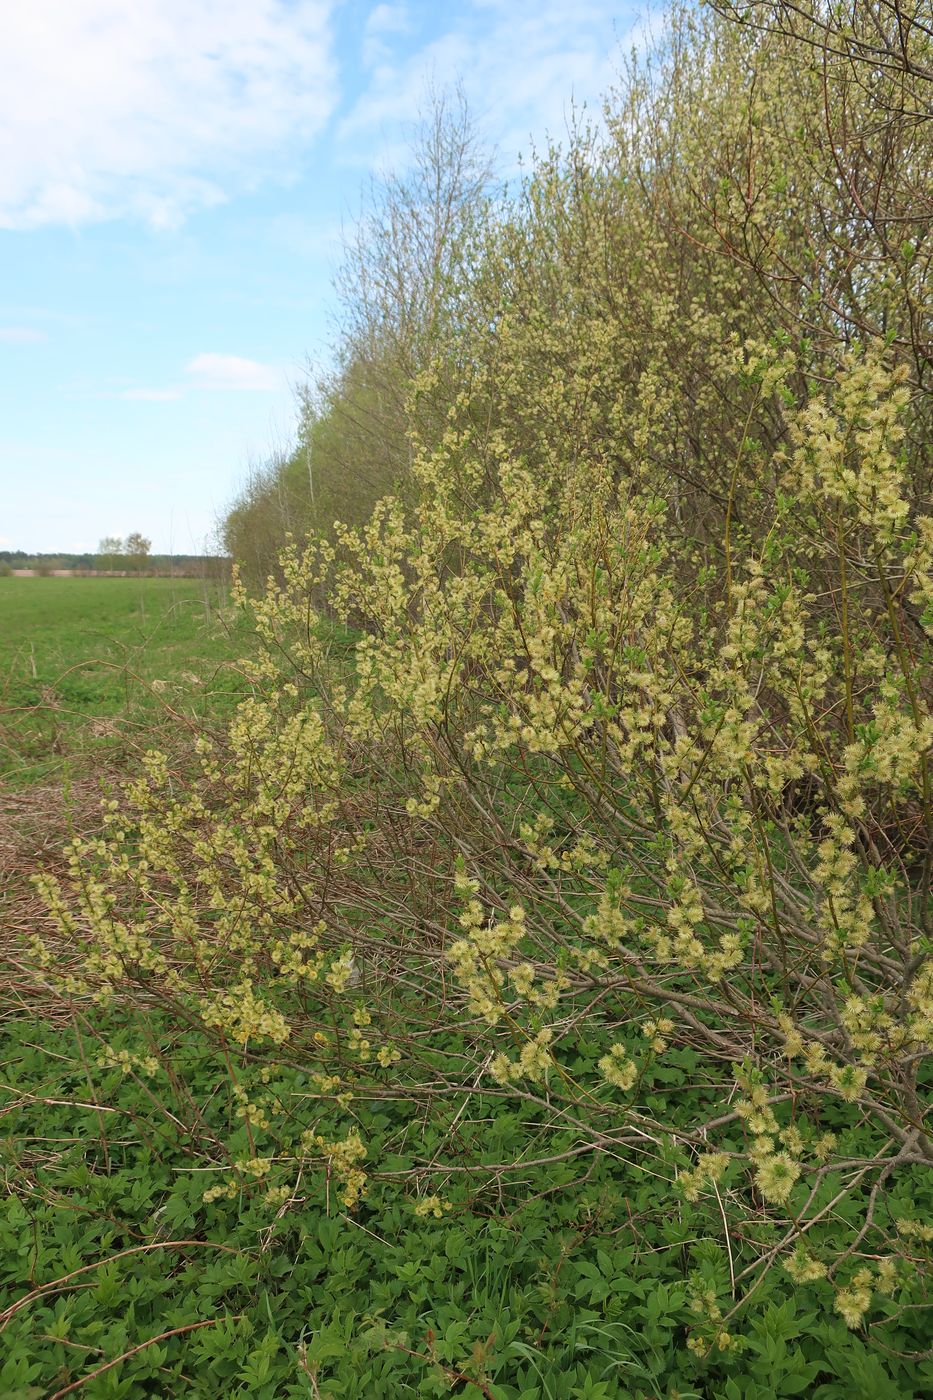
174	175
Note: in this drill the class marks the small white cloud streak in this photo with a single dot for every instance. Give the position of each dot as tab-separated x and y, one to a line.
156	107
210	371
152	395
21	335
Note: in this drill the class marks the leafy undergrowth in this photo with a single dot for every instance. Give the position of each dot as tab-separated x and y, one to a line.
578	1277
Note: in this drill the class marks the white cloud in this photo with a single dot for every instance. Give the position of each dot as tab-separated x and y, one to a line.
383	22
387	19
152	395
21	335
524	65
211	371
155	107
232	372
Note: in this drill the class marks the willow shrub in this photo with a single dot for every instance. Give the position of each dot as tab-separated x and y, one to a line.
570	802
754	178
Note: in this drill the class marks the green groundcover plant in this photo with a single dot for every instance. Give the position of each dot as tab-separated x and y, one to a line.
576	1280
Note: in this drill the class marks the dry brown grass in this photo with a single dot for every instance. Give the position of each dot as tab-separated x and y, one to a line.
35	825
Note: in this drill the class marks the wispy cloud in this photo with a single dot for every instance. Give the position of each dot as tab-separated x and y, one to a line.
232	372
384	22
155	108
21	335
152	395
524	64
309	236
211	371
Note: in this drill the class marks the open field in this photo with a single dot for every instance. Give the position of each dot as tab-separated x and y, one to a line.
86	665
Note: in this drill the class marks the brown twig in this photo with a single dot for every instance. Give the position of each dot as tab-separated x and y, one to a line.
133	1351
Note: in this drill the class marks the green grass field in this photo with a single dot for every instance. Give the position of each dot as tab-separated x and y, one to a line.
87	665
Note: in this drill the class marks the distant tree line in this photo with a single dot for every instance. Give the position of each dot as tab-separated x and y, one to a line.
131	553
403	288
115	556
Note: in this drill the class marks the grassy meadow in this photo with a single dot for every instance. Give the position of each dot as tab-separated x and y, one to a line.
89	665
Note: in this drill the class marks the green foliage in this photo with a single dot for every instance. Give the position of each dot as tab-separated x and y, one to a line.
545	1293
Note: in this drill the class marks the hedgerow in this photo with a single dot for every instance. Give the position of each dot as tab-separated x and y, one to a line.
586	787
